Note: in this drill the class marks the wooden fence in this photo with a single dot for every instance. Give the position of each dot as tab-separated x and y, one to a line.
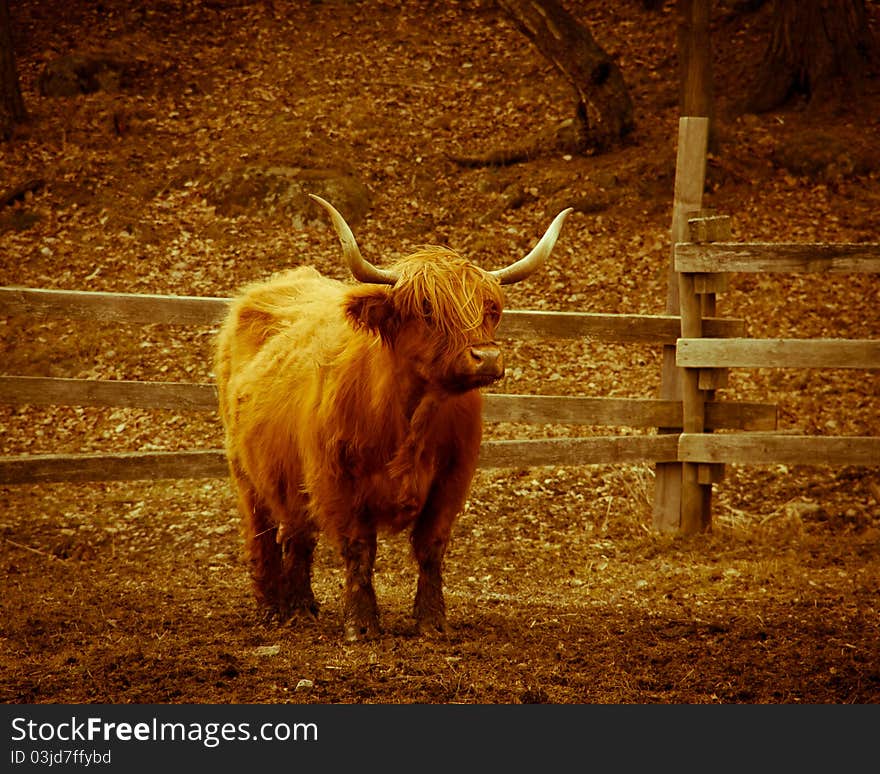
124	308
703	268
675	429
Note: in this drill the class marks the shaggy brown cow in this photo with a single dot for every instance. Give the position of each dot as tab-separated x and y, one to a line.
350	408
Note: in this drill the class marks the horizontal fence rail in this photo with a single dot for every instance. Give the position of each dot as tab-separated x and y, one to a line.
751	257
752	449
763	449
621	412
55	391
211	463
778	353
113	307
195	310
609	328
527	409
122	466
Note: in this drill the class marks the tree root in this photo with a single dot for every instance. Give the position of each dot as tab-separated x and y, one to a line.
566	137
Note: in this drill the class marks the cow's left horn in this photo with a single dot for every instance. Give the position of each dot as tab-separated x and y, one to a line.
361	268
525	266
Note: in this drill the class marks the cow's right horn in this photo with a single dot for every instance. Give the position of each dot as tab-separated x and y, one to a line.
360	268
541	251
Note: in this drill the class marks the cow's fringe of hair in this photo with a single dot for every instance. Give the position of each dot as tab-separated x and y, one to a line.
454	302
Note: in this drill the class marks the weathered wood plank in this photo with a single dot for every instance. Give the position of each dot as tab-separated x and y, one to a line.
709	228
612	328
46	391
690	180
756	448
532	409
622	412
695	499
123	466
777	257
698	301
711	284
193	310
113	307
553	409
741	416
527	324
765	448
687	195
211	463
579	451
778	353
710	472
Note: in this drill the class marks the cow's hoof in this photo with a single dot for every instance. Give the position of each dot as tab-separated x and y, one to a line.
432	627
300	616
357	631
299	611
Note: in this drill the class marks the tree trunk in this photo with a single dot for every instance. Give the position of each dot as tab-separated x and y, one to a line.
604	110
696	92
816	47
11	103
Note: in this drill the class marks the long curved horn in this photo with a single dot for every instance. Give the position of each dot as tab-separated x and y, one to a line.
525	266
360	268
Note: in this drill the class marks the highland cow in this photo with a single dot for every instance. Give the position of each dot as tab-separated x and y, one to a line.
352	408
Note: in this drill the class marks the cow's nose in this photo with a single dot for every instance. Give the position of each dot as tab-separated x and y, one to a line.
488	361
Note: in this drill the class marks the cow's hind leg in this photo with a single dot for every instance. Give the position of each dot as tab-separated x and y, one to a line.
360	611
279	562
262	551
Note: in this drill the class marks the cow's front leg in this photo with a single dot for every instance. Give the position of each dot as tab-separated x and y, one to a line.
296	598
430	608
359	610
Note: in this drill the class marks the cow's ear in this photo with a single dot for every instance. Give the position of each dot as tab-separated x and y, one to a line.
370	307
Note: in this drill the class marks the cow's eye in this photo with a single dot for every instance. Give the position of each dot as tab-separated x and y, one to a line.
427	309
492	314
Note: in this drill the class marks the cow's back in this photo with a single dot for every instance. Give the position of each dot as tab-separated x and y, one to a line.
267	308
272	342
299	298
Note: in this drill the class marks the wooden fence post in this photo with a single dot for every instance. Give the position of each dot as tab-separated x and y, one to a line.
697	300
690	177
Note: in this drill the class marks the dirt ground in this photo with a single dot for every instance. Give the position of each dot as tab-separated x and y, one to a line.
558	588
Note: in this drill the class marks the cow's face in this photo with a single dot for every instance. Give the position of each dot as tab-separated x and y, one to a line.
434	310
439	319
